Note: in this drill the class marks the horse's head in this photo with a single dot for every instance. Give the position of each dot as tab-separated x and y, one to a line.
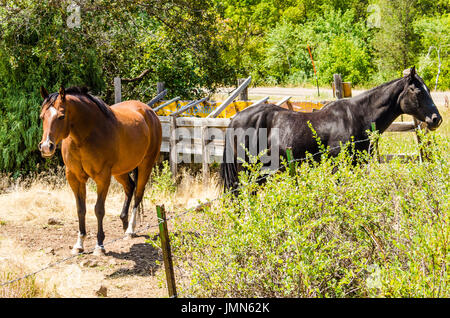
416	100
55	124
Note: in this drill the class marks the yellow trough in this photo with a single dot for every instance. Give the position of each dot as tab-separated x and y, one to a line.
202	110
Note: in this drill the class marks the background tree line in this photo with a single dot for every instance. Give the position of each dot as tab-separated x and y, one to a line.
195	46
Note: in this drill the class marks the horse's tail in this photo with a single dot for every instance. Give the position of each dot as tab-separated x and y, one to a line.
228	168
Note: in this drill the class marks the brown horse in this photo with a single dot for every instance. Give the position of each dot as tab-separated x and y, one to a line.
99	141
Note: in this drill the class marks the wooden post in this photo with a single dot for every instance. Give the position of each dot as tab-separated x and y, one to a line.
338	86
230	99
422	153
375	143
188	106
284	100
173	100
159	87
244	93
117	90
205	155
157	98
167	254
173	156
290	158
289	104
257	103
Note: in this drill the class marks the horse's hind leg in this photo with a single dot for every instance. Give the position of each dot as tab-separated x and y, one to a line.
144	171
128	186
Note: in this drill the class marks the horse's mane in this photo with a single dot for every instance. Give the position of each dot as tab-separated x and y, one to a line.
383	85
366	94
82	91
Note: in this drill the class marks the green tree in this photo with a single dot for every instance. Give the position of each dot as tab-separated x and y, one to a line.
38	46
434	65
286	56
344	56
396	43
340	43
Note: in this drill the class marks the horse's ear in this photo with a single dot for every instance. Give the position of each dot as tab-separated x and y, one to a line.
62	92
44	92
412	74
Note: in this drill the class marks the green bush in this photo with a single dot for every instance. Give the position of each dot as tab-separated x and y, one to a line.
339	43
370	230
344	56
20	133
435	38
162	184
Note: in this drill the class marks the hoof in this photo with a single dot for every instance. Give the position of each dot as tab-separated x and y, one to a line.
130	236
76	251
99	251
125	226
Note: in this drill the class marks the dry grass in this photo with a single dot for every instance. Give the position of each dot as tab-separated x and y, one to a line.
31	201
191	191
26	288
16	262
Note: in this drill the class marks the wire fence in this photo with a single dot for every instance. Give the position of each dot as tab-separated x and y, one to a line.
198	207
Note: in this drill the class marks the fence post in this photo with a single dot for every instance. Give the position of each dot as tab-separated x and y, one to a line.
422	153
167	255
375	143
338	86
284	100
216	112
244	93
290	158
117	90
289	104
173	146
159	87
157	98
205	154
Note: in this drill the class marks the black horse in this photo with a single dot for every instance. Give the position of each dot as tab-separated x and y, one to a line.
337	122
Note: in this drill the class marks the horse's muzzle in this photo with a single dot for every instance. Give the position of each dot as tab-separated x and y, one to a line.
47	149
434	121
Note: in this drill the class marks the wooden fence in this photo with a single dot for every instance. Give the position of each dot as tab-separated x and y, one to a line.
200	136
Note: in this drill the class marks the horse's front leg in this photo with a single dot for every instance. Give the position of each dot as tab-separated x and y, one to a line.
102	182
79	190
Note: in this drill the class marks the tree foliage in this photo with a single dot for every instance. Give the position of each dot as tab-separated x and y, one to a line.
175	40
195	46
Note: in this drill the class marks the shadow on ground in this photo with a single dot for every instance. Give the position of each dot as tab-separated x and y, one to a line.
145	258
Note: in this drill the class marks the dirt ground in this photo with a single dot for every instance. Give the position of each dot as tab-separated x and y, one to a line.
39	226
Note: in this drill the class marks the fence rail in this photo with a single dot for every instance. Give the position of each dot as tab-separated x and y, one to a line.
208	134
